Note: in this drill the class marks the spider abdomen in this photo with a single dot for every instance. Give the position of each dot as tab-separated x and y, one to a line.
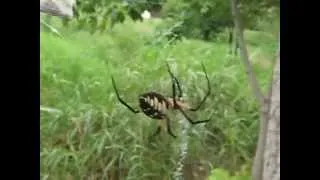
153	105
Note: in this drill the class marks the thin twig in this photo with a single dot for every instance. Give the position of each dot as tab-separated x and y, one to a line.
52	29
50	110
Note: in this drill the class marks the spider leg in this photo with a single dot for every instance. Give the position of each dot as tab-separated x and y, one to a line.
190	120
175	102
176	82
121	100
208	92
156	132
169	127
179	87
161	126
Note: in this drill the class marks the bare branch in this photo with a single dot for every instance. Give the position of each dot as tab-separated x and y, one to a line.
244	53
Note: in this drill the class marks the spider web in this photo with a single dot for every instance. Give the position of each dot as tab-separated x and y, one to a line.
178	174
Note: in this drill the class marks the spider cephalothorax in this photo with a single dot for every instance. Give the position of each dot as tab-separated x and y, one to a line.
155	105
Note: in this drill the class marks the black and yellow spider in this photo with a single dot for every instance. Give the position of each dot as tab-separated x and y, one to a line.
155	105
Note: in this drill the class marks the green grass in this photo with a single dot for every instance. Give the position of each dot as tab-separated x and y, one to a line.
94	134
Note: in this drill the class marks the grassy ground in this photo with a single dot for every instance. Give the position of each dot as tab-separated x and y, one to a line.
93	135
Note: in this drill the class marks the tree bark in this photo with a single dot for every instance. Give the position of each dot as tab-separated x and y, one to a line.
266	164
257	167
61	8
271	166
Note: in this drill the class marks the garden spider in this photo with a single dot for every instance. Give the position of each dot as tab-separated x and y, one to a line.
155	105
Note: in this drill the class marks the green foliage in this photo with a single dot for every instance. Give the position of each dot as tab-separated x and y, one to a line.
201	19
222	174
205	19
270	21
98	15
171	31
95	135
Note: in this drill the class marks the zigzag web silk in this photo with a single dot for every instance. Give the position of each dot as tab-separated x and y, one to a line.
183	148
178	174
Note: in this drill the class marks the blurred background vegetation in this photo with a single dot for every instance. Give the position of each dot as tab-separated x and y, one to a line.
91	136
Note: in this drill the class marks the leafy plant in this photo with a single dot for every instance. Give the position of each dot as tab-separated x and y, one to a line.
222	174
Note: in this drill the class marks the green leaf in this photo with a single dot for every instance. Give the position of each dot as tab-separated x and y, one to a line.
240	178
220	174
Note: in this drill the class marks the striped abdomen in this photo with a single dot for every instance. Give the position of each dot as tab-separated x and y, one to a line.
153	105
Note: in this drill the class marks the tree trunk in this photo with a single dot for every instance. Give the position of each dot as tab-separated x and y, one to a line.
57	7
271	164
266	165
